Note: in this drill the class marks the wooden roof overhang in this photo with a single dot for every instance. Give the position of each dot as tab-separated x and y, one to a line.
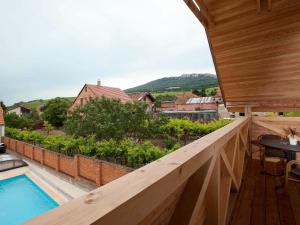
255	45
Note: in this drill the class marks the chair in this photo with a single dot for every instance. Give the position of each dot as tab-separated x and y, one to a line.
271	154
292	171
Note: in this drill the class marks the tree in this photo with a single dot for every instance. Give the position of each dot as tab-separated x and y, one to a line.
14	121
196	92
203	92
107	118
56	111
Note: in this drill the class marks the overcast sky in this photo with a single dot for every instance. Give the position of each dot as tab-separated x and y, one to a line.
50	48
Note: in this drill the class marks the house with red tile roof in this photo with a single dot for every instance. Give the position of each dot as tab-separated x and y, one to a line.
144	97
90	91
1	123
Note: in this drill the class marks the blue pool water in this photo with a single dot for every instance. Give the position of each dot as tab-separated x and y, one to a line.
21	200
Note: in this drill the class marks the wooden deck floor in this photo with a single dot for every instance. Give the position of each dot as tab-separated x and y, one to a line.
258	203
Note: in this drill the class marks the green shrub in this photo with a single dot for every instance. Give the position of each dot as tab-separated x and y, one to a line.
125	150
185	128
20	122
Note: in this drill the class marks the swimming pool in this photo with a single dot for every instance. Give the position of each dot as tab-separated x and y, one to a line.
21	200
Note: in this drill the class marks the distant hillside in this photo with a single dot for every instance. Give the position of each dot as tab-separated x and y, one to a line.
183	82
36	103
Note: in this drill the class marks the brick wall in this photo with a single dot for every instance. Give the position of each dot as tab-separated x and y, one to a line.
79	166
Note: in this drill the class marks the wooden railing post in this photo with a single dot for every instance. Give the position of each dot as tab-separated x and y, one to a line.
248	113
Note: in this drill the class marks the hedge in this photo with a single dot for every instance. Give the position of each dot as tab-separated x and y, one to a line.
185	129
125	151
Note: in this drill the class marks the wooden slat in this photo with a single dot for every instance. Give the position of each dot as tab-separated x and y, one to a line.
255	50
260	203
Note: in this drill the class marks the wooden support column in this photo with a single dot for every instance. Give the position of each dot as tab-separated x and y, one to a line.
258	5
248	113
269	5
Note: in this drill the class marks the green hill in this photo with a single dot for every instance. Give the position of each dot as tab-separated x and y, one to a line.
184	82
37	103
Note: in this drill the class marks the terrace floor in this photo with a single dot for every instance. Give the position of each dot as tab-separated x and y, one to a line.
258	202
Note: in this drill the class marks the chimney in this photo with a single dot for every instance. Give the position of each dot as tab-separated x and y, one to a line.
98	82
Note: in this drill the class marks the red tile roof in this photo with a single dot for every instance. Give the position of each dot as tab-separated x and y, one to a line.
1	116
109	92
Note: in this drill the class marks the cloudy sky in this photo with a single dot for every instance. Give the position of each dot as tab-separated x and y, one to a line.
50	48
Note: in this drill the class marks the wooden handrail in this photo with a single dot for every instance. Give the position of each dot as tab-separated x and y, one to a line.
188	186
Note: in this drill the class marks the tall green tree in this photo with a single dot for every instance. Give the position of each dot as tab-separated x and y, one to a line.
56	111
107	118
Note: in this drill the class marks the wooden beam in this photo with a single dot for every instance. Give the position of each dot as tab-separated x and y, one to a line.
202	195
269	5
193	7
229	170
269	127
258	5
205	11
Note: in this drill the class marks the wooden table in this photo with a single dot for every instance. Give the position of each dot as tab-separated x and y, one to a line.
282	144
276	142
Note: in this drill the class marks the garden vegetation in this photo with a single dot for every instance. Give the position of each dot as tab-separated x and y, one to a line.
121	133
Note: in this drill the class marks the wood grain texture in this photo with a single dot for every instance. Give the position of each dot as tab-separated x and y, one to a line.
256	50
258	202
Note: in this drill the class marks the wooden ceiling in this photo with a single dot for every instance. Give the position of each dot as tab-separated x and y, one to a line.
255	45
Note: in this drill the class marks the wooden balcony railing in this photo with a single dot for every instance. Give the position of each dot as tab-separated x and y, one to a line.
189	186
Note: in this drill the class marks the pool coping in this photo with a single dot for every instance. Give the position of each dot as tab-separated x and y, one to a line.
55	195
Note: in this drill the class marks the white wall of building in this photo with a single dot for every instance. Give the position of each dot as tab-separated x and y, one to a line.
16	111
